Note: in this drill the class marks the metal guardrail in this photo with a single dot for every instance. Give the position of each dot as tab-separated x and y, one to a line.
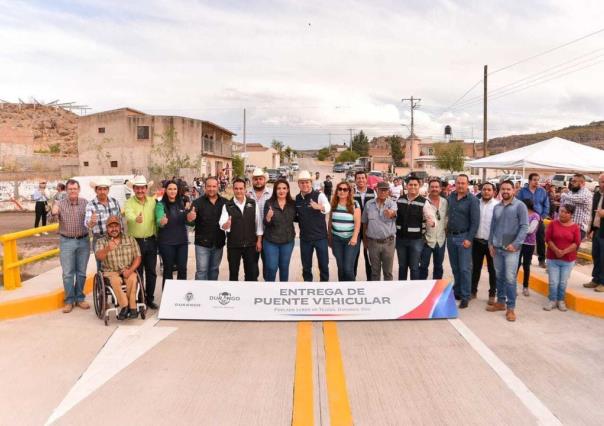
11	266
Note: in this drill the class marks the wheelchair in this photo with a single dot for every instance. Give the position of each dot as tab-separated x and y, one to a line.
105	300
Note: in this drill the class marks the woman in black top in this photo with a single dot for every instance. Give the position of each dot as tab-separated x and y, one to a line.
173	240
279	233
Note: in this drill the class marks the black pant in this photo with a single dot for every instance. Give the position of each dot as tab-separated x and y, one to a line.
250	263
540	242
526	254
365	255
148	265
40	213
174	255
480	249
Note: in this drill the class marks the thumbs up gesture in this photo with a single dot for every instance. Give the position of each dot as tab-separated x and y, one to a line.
315	205
192	215
93	219
163	221
269	214
227	224
139	218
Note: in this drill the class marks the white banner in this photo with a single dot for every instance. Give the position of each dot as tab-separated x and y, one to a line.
307	301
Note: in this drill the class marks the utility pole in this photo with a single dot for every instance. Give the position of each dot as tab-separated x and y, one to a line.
414	105
350	130
484	122
244	143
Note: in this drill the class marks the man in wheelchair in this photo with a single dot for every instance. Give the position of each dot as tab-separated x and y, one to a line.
120	256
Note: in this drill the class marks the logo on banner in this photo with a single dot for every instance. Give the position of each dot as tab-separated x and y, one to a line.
189	296
224	298
188	301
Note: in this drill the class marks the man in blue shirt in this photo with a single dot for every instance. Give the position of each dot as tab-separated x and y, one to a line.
508	230
540	200
464	218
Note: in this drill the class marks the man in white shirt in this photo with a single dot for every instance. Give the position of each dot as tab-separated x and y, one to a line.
480	247
435	238
240	219
396	188
260	193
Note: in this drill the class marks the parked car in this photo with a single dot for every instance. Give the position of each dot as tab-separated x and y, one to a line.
515	179
339	168
284	172
249	168
295	167
273	174
376	173
423	175
562	180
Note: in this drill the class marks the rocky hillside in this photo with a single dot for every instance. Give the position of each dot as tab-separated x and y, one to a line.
591	134
47	129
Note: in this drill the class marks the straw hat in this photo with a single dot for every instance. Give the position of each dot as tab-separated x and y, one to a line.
102	182
258	172
139	180
304	175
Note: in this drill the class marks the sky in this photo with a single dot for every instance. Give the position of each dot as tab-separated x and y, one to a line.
308	71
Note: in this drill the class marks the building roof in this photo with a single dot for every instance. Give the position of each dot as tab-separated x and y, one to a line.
252	147
127	109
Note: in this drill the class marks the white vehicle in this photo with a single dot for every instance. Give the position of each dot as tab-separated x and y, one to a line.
563	179
514	178
295	167
119	190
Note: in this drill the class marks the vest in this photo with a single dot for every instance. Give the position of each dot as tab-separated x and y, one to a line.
207	231
243	226
410	217
369	195
312	222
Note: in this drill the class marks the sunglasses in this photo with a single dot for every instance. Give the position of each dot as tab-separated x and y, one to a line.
343	189
437	215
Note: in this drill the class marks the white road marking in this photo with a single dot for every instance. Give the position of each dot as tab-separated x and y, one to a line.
124	346
529	399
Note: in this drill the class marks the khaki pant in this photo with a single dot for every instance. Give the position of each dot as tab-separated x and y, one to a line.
123	299
381	256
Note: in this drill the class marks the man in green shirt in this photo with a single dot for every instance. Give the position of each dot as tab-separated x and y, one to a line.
140	217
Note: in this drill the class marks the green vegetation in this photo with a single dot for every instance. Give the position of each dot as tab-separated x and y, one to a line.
346	156
323	154
395	150
360	144
449	156
238	166
171	160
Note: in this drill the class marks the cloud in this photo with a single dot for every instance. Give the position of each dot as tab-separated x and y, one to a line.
303	70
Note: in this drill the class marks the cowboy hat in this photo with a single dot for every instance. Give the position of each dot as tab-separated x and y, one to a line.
304	175
103	181
258	172
139	180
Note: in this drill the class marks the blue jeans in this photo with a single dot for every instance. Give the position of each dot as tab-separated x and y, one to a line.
506	271
460	259
277	256
306	249
345	255
74	259
558	272
438	253
207	262
408	252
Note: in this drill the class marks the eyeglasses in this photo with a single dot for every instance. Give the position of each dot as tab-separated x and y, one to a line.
343	189
437	215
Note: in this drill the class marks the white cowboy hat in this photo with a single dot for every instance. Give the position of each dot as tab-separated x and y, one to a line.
258	172
103	181
304	175
139	180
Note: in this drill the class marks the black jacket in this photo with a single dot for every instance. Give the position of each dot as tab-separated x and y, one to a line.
280	229
207	230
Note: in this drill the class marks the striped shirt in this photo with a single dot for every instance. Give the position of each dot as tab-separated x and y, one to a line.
103	212
268	192
342	222
71	217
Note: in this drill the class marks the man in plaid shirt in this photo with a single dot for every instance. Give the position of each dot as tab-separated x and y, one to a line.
120	257
581	197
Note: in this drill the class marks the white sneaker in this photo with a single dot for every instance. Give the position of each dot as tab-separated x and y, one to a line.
44	233
36	235
562	306
525	291
549	305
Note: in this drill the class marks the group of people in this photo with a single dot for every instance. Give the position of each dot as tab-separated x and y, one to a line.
258	224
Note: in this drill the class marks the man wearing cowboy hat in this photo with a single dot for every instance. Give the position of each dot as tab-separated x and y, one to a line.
140	217
311	208
260	193
120	257
99	209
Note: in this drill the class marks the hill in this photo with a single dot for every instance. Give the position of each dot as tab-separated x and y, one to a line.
591	134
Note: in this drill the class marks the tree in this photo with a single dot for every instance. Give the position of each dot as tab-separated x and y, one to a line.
395	150
449	156
166	157
238	166
346	156
360	144
323	154
278	146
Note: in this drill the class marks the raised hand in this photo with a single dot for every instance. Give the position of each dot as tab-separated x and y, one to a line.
192	215
93	219
315	205
227	224
269	214
139	218
163	221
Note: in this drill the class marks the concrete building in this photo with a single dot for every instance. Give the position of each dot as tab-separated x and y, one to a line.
128	141
258	155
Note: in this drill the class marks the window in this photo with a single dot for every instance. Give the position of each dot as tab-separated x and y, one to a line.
430	151
142	132
114	164
101	130
85	163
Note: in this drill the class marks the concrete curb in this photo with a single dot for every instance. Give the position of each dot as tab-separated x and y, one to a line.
38	304
574	300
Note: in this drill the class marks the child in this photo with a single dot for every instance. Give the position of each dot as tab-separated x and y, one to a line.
528	247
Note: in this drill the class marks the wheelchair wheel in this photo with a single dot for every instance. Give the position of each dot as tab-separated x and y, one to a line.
99	296
143	312
141	296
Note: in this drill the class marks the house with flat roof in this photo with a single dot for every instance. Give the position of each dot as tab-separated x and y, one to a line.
128	141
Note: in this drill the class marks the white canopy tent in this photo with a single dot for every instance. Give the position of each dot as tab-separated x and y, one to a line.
556	154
